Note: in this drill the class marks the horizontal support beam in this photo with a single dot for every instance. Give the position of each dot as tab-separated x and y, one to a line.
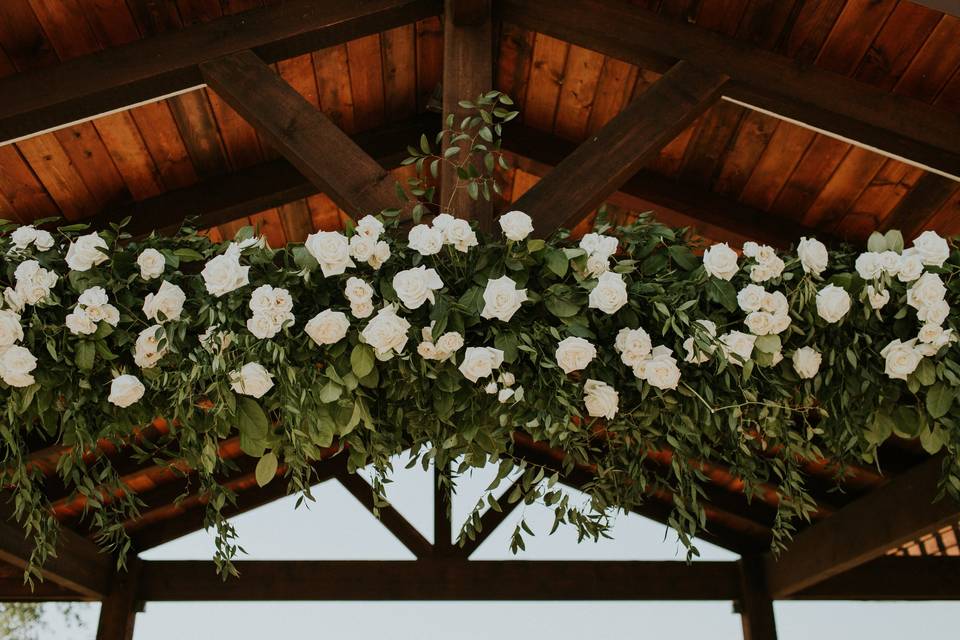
12	589
153	68
439	579
892	578
892	124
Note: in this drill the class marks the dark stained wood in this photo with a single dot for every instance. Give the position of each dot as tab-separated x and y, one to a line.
366	81
755	605
609	158
167	63
897	125
399	526
441	579
892	578
867	528
467	73
919	205
575	104
429	45
304	135
119	609
946	6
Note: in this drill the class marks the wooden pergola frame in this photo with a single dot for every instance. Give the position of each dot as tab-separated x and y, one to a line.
840	557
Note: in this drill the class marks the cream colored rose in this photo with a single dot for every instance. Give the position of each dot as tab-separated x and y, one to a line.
720	261
357	291
806	362
331	250
328	327
599	246
459	234
223	274
125	390
901	358
935	313
890	262
85	252
702	354
832	303
932	249
44	241
491	388
596	265
369	227
265	325
449	343
516	225
574	354
926	291
362	248
610	294
502	299
251	380
751	297
13	299
386	332
601	400
633	345
80	323
415	286
660	370
506	378
813	255
868	265
427	350
23	237
932	338
910	267
10	329
93	297
381	253
33	282
737	346
166	304
268	299
479	362
146	351
151	263
877	299
760	323
361	309
16	363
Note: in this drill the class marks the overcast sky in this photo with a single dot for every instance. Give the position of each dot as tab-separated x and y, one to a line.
337	527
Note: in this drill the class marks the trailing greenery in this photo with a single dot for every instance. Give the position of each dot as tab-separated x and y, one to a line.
756	415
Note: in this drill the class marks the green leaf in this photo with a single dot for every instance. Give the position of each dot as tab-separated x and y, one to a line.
768	344
362	360
683	257
535	244
330	392
304	259
560	307
85	353
266	469
894	240
251	420
906	422
557	262
722	292
876	242
424	143
939	399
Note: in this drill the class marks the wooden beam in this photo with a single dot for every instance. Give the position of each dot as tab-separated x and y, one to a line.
755	604
489	521
892	124
119	609
898	512
12	589
395	523
302	134
155	67
79	564
440	580
951	7
613	155
920	204
892	578
467	72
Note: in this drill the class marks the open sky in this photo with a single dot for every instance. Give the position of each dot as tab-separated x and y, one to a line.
338	527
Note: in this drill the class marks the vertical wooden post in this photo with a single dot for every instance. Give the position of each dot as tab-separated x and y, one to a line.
755	604
119	608
467	72
442	525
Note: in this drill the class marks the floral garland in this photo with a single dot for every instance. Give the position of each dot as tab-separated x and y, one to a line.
610	348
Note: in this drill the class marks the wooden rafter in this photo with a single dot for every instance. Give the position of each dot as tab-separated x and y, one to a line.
119	609
920	204
303	134
893	124
168	63
895	513
892	578
610	157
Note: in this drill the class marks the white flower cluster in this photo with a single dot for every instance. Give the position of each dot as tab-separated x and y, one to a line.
386	333
768	264
415	286
24	236
427	240
505	391
654	365
272	309
366	245
479	362
92	307
767	312
16	362
502	299
33	285
599	249
444	348
360	296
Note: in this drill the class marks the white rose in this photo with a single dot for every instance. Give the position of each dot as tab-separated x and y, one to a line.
479	362
166	304
813	255
361	308
868	265
427	350
13	299
84	253
751	249
738	344
442	221
890	262
460	235
386	332
381	253
44	241
661	370
125	390
79	322
93	297
760	323
516	225
10	329
261	299
251	380
328	327
901	358
701	355
362	248
935	313
610	294
223	274
806	362
449	343
751	297
152	264
926	291
16	363
264	325
933	249
357	291
507	379
601	400
633	345
504	395
597	264
33	282
491	388
720	261
599	246
910	267
369	227
877	299
776	303
23	237
425	240
145	351
574	354
767	270
502	299
416	286
332	250
832	303
933	334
